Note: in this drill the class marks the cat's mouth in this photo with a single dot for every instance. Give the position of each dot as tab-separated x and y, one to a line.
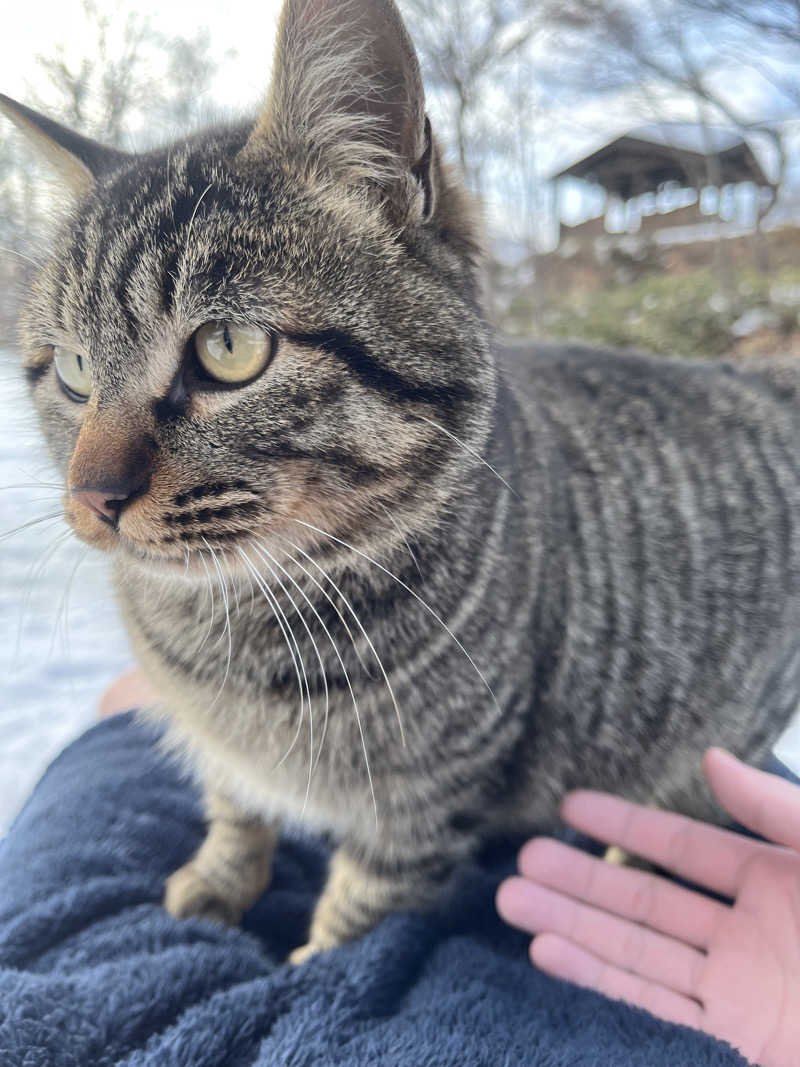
150	554
197	554
256	557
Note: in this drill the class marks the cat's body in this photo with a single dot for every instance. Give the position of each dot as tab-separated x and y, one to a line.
386	582
630	596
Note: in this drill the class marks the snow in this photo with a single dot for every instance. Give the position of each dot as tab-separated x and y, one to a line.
61	641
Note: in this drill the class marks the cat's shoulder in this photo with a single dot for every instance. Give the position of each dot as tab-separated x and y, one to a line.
577	360
600	371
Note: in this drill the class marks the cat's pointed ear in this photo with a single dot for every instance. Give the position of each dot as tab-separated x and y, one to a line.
77	160
347	90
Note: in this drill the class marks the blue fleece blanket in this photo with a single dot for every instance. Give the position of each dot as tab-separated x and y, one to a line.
93	972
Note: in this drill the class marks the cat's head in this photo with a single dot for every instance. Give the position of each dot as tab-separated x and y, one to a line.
270	325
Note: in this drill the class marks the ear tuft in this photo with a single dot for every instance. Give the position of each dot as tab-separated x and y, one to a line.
347	93
76	159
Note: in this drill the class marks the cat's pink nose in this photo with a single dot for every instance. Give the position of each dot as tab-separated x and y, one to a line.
102	503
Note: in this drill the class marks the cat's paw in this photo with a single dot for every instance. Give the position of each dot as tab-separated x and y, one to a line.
304	952
616	856
620	857
189	895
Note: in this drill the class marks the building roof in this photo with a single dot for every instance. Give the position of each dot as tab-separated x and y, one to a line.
646	157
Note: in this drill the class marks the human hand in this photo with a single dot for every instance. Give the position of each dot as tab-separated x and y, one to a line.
732	970
130	690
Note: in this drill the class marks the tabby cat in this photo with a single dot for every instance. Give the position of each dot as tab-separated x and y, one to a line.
391	581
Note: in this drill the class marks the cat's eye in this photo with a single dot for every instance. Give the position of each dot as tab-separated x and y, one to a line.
232	354
74	373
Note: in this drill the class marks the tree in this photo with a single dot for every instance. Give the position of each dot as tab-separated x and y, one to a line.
115	91
97	95
464	45
190	71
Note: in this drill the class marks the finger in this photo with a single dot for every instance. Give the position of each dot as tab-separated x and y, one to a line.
644	898
703	854
624	944
763	802
559	957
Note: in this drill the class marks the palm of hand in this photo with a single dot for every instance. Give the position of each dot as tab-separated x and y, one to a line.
731	970
749	987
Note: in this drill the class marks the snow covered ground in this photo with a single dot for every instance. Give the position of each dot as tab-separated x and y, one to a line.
60	638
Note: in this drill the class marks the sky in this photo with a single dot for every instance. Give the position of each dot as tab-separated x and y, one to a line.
37	26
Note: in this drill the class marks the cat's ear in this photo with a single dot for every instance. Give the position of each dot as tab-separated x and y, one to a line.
347	91
77	160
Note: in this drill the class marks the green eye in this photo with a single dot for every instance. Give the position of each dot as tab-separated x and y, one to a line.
233	354
74	372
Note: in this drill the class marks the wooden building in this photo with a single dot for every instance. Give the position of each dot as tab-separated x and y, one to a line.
636	169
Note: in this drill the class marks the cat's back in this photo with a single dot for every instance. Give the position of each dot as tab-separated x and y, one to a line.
667	497
616	382
669	448
602	407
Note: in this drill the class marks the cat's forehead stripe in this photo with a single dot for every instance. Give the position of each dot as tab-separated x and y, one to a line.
138	222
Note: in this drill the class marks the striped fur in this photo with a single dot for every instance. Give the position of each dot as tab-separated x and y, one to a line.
403	587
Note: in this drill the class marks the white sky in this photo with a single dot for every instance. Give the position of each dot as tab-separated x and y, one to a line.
35	27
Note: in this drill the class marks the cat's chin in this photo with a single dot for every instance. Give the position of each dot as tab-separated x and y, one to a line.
188	566
105	539
90	530
193	566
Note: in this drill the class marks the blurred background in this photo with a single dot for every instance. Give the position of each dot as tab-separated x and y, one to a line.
639	166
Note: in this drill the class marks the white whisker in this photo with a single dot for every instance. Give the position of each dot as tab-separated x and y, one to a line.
232	576
14	252
33	522
288	636
327	596
266	557
223	590
344	670
63	607
211	591
467	449
32	485
34	573
405	540
196	206
408	589
252	595
350	608
227	627
162	593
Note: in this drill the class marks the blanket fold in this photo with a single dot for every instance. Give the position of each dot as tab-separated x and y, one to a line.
94	973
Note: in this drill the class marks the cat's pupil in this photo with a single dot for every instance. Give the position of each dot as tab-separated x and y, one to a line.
80	363
226	337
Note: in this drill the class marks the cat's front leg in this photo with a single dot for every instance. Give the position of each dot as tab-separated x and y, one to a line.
231	869
360	892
